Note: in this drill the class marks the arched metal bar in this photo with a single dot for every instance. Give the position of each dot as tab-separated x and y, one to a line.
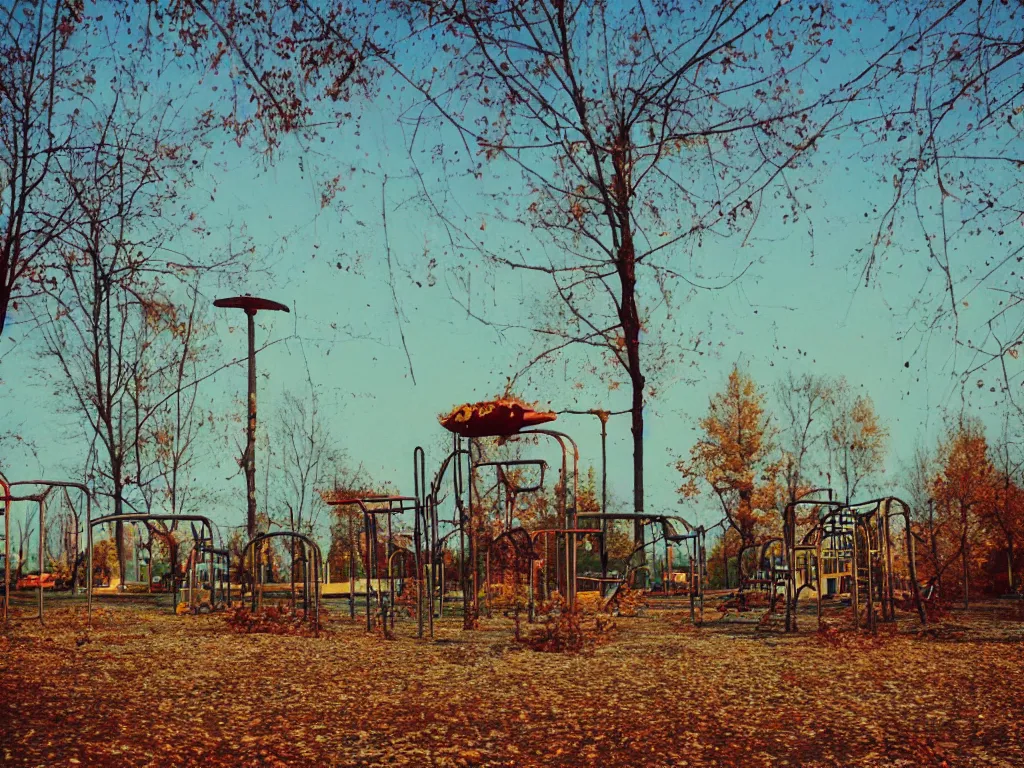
308	585
370	527
141	517
789	539
865	528
50	484
503	476
567	520
39	499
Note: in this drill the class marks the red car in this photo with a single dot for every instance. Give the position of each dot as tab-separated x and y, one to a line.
47	580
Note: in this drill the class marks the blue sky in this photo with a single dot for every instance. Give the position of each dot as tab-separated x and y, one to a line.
791	310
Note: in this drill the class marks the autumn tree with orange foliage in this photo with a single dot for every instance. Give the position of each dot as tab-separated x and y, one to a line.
1002	522
964	491
736	458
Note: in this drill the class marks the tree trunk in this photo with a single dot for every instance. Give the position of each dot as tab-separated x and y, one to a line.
934	547
739	563
77	563
964	556
638	469
1009	563
630	320
119	530
725	561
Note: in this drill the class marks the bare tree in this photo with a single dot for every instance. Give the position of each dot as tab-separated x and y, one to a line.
804	402
106	281
919	474
305	457
39	71
640	131
25	523
169	421
947	128
856	440
1004	517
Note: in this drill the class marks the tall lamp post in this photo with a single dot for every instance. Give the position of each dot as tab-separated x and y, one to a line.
251	305
602	416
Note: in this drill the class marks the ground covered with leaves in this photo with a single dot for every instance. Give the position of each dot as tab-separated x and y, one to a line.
152	689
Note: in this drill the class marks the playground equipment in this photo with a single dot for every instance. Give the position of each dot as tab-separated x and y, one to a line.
693	538
203	548
500	419
40	499
251	305
545	557
860	534
371	507
312	567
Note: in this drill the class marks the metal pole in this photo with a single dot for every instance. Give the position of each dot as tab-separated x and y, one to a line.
870	602
42	550
890	588
251	305
420	492
388	550
367	557
250	432
7	546
817	575
691	552
213	576
487	581
855	596
7	556
603	416
429	522
351	568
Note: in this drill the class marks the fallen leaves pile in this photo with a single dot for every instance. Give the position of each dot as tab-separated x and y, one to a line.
566	631
272	620
143	688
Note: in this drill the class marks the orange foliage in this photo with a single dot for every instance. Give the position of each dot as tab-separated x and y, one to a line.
734	457
964	491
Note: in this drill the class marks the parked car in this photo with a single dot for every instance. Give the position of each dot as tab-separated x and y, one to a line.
33	581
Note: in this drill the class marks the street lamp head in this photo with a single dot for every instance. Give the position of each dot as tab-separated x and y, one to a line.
251	304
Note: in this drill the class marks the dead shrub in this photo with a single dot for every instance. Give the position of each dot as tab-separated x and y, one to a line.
565	630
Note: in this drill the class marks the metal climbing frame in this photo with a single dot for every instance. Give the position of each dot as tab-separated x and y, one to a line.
310	581
513	535
428	537
861	532
517	541
40	499
371	562
567	534
694	536
201	549
565	563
